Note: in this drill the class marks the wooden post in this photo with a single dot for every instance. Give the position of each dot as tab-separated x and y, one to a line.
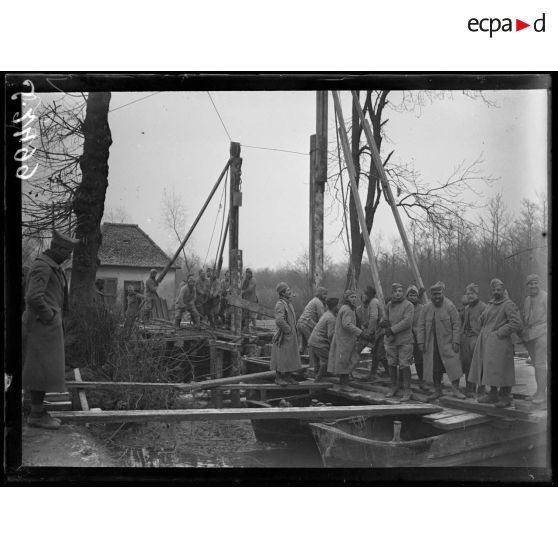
318	178
387	191
358	203
235	255
216	368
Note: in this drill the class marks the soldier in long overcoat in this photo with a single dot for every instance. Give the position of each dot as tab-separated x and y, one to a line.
470	329
369	314
46	300
284	351
413	298
438	335
321	337
151	295
493	363
534	333
344	354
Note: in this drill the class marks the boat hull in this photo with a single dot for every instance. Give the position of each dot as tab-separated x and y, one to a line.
339	447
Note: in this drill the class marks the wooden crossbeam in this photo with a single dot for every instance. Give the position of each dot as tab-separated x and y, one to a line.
292	387
306	413
239	302
193	386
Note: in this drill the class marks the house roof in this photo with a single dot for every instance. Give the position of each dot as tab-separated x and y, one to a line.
127	245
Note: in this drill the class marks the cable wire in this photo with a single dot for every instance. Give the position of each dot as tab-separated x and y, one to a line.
136	101
275	149
217	111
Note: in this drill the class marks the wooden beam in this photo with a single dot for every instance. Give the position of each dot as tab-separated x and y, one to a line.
485	408
239	302
275	413
356	195
387	191
235	254
81	393
193	386
194	224
460	421
312	386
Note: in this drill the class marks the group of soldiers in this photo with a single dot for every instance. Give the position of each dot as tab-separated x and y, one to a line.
476	342
205	298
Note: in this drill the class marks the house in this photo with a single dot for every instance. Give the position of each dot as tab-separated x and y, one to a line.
126	255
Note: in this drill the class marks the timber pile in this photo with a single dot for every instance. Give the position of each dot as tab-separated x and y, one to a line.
275	413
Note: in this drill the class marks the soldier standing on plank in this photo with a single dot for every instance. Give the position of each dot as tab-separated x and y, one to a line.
470	329
310	316
398	340
46	300
186	302
285	358
493	363
321	337
369	314
248	292
150	295
535	333
412	296
439	334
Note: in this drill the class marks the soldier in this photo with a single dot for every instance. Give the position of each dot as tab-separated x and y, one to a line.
202	293
319	342
439	331
186	302
398	341
412	296
493	363
248	292
470	329
46	300
211	306
535	333
310	316
133	304
224	313
150	295
285	358
344	354
369	314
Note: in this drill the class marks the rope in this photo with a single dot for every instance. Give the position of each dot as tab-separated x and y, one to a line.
275	149
215	223
136	101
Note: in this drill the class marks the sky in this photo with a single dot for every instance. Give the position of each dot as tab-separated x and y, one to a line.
175	140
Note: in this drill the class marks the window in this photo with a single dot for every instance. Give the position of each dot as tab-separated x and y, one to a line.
109	290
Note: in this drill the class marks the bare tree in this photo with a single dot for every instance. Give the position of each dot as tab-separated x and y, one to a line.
116	214
435	207
47	197
174	219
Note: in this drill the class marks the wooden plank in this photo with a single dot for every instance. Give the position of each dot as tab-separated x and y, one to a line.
58	405
356	196
292	387
239	302
52	397
387	189
275	413
81	393
485	408
358	395
460	421
193	386
444	414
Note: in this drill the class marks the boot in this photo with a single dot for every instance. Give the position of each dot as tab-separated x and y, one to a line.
405	373
504	397
344	380
455	390
393	378
289	378
437	390
177	323
280	379
490	397
44	420
470	388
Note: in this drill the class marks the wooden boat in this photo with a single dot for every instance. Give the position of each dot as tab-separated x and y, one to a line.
369	442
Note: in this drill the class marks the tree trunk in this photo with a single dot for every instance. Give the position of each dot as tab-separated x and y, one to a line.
89	198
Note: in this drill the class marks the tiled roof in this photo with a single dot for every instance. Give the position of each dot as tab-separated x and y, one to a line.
127	245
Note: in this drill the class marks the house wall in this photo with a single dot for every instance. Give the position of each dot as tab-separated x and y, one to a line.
165	290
